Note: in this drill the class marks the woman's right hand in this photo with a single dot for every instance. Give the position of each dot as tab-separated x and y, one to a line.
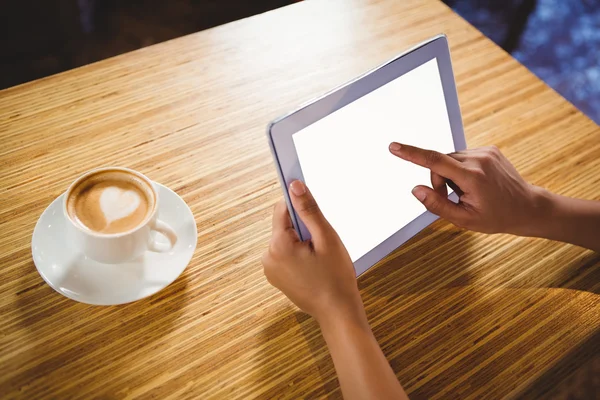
494	198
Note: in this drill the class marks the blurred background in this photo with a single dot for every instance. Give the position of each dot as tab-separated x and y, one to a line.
558	40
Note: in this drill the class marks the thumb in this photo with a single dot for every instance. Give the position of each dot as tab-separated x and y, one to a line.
308	210
440	205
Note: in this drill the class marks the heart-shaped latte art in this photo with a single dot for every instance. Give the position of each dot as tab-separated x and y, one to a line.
116	203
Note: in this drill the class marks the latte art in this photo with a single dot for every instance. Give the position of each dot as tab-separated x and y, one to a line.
116	203
110	202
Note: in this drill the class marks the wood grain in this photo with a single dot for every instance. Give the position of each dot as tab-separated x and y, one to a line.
458	314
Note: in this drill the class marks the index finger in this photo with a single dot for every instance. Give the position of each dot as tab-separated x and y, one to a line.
439	163
282	223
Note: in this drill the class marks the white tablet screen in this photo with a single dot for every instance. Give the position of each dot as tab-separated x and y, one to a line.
363	190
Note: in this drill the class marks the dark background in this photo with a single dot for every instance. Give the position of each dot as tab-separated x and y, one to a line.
43	37
559	40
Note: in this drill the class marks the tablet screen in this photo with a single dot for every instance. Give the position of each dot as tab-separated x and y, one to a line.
362	189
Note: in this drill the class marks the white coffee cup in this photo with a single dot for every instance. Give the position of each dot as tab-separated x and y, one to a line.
114	248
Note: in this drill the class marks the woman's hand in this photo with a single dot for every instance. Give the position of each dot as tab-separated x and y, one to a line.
316	275
494	198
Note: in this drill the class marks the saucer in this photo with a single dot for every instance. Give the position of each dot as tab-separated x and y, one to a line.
77	277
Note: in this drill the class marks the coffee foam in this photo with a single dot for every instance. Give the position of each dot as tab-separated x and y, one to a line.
117	203
111	201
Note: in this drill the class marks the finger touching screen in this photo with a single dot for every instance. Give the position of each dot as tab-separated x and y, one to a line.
363	190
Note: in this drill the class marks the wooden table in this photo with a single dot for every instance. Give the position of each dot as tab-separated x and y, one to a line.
458	314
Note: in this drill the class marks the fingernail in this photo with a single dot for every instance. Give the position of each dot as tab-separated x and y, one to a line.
395	146
419	194
298	188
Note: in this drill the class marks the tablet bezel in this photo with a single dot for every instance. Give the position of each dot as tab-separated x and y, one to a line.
280	131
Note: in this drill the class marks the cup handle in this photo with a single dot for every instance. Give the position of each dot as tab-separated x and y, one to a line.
163	228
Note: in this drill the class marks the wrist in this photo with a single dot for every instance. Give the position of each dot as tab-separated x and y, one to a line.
539	216
339	318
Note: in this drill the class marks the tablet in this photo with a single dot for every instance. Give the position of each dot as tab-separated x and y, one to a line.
340	141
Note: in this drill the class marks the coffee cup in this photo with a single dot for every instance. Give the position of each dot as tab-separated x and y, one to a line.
112	213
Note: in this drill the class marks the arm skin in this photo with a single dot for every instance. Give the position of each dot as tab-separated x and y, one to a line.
362	368
567	220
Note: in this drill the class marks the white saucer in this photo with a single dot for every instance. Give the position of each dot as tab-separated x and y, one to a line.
77	277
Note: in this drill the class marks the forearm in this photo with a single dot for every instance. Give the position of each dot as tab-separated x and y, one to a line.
363	371
568	220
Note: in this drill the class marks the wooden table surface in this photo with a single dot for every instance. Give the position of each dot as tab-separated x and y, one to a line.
458	314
